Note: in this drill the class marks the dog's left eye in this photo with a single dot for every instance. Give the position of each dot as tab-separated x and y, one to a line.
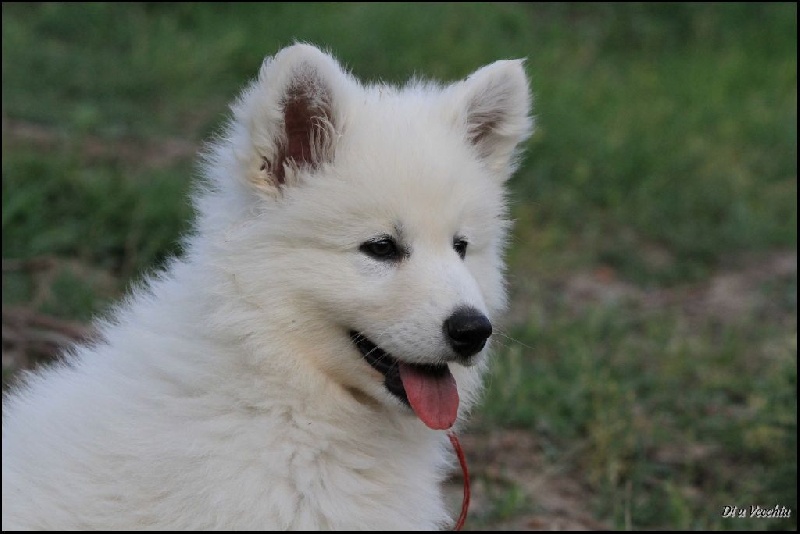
384	249
460	246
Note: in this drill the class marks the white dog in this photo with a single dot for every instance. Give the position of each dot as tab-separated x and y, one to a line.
296	368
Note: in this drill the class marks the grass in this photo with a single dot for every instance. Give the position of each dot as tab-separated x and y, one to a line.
665	409
665	157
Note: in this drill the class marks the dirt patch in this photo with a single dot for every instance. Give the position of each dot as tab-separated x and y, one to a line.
548	497
731	295
136	152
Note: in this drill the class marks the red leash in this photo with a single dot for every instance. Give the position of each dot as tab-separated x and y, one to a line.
463	462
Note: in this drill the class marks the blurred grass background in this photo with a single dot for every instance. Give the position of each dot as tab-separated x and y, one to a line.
651	349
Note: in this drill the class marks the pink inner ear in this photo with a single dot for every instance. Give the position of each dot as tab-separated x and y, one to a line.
297	148
298	121
301	115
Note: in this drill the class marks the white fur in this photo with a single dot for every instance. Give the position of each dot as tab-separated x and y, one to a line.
225	392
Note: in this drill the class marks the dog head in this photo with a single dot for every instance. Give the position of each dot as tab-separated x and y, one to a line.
372	219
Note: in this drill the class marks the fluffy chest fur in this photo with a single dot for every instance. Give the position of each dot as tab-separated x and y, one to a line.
140	446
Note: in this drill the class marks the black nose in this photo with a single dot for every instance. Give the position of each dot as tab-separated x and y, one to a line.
467	331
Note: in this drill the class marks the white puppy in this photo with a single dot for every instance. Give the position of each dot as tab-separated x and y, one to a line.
296	367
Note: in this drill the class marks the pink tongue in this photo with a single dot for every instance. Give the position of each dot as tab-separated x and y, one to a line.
433	399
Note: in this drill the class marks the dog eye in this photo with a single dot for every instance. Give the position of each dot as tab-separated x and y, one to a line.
460	246
383	249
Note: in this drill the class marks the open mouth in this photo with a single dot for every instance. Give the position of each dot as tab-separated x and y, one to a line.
428	389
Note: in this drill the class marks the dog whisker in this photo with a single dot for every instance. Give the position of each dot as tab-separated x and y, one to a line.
513	340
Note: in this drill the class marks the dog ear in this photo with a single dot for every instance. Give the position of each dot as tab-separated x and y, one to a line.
494	106
290	113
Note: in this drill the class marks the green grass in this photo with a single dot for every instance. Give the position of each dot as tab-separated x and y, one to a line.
671	407
103	214
665	153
